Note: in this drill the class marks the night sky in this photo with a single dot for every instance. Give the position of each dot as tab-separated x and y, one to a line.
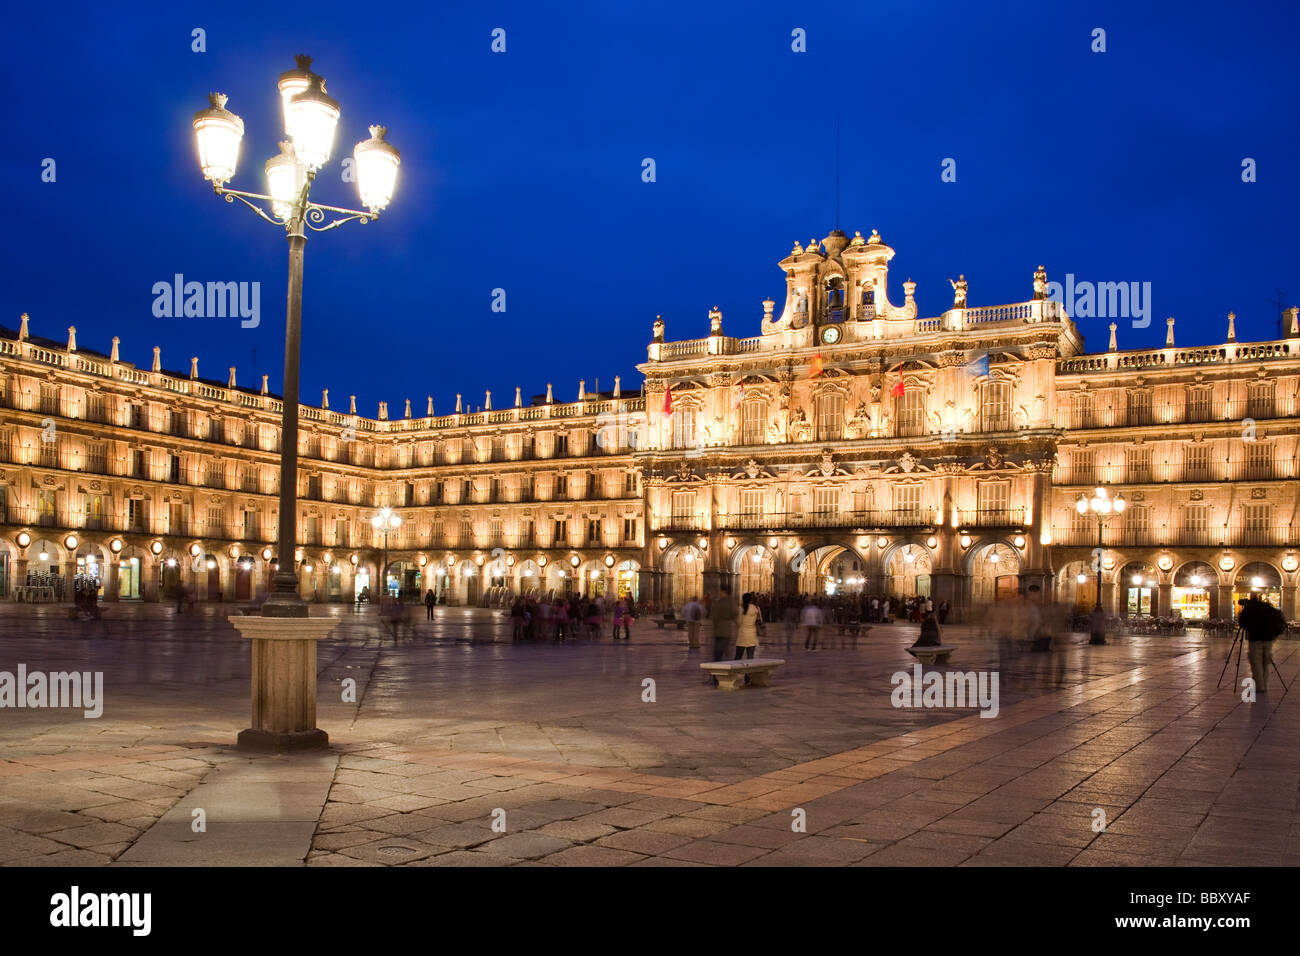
523	171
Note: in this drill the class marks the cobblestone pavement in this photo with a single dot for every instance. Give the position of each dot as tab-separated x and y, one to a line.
455	728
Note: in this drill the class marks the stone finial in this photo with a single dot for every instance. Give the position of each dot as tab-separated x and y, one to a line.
715	321
519	397
324	398
72	338
1294	327
22	329
429	410
549	397
408	408
230	382
194	367
1113	346
618	389
266	389
458	406
116	342
768	305
157	358
1232	326
797	249
909	289
1169	335
383	411
352	404
487	400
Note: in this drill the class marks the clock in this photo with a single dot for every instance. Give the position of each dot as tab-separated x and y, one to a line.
831	334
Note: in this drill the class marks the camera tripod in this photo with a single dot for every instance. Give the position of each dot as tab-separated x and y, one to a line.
1238	642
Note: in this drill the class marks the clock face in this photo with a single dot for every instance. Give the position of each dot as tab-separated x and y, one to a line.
831	334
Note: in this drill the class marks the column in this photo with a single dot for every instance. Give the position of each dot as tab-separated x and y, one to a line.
111	579
70	576
1164	599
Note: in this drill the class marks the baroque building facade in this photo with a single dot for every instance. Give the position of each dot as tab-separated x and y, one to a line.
853	445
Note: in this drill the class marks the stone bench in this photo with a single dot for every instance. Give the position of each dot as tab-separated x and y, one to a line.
661	622
731	675
932	653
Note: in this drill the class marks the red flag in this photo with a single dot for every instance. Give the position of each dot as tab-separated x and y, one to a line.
816	366
897	390
668	400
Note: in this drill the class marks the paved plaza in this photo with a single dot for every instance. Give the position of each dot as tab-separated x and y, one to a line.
465	749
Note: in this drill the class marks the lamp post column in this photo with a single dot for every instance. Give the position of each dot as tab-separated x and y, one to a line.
285	601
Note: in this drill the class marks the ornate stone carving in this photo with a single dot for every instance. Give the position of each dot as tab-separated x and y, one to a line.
1258	493
1197	494
827	463
800	429
907	462
993	458
684	471
752	468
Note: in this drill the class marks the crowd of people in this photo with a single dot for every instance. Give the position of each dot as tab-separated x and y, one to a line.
562	618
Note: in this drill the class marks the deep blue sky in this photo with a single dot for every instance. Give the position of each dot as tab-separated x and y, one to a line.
523	171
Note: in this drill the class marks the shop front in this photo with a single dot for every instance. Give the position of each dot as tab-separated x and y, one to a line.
1194	593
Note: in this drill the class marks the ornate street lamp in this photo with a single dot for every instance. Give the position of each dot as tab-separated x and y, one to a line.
1102	505
384	522
311	119
284	637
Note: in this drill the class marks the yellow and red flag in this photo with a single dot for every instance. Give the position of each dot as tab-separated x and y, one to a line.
816	366
668	400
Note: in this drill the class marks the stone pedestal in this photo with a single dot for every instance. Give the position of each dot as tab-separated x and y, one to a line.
284	682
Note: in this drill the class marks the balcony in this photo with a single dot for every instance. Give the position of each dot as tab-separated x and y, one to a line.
992	518
1178	412
1233	535
882	518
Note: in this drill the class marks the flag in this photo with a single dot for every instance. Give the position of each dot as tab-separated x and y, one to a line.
816	366
740	395
978	366
668	399
897	390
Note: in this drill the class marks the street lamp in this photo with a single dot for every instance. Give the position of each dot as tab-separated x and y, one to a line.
311	118
384	522
284	637
1102	505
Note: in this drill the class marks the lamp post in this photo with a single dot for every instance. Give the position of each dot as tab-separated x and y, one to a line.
283	637
1102	505
385	522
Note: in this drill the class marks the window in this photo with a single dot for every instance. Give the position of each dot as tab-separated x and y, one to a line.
176	518
45	513
684	428
830	417
1139	407
213	474
593	531
134	416
137	515
561	486
751	502
250	526
683	504
95	409
995	407
1196	463
753	422
907	499
561	446
341	536
992	499
50	399
1085	411
1198	404
629	530
214	428
1257	522
467	490
561	535
498	448
174	469
178	423
215	527
1138	462
466	534
826	500
311	530
1259	460
313	487
629	483
1259	401
1137	524
139	464
498	534
1196	518
1083	467
94	505
97	458
911	412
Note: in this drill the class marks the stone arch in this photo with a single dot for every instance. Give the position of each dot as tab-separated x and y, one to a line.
1257	577
994	567
683	563
1195	590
